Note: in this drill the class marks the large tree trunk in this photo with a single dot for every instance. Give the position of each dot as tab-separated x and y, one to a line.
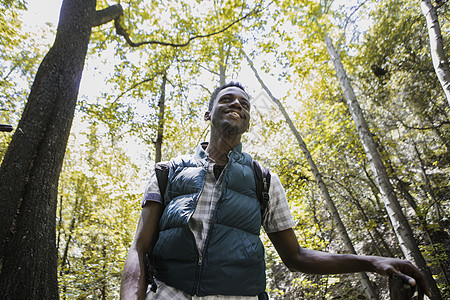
367	285
30	170
401	226
440	61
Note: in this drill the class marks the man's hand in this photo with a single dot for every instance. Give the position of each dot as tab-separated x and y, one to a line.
403	269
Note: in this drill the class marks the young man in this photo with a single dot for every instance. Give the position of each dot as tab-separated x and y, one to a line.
208	244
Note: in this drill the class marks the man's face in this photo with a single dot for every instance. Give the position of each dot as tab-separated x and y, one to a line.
231	111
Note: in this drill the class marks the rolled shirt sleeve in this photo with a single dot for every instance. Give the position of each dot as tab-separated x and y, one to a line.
152	193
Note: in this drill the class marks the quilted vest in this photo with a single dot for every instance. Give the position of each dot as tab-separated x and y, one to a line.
232	260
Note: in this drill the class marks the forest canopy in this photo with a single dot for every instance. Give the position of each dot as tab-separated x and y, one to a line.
148	74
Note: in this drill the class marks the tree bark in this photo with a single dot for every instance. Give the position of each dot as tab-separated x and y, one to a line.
30	170
440	62
401	226
367	285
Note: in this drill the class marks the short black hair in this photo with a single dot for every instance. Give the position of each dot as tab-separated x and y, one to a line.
217	90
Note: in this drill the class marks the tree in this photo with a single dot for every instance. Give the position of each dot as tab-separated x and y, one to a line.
99	206
160	135
308	15
30	169
409	118
367	285
398	219
440	61
401	225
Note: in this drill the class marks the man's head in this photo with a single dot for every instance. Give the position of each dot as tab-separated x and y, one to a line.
227	85
229	109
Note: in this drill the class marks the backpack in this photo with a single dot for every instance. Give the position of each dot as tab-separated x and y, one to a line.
262	180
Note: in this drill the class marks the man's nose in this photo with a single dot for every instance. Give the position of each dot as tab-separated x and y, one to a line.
236	103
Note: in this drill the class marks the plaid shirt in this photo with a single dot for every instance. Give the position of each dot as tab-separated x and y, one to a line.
276	218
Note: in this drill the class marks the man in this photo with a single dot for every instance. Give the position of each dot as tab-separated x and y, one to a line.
208	244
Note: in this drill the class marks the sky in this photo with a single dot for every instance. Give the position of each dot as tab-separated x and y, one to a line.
42	11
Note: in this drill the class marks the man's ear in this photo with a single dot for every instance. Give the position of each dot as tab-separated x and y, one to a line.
207	116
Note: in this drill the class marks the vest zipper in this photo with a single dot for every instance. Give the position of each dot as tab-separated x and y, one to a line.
200	258
200	253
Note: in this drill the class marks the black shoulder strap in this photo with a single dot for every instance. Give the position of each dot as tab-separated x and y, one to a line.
162	175
262	179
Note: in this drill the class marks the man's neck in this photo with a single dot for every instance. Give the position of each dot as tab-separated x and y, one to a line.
219	147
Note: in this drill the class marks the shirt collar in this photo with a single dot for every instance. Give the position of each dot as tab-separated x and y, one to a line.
201	153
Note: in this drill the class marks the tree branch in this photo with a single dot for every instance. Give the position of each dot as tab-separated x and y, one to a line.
439	4
442	123
9	73
133	87
107	15
347	20
121	31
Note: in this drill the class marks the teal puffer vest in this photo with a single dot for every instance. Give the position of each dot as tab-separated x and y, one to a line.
232	260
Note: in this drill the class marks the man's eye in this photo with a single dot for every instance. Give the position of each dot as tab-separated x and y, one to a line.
245	104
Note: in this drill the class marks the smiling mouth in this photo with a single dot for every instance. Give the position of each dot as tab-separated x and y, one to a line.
234	114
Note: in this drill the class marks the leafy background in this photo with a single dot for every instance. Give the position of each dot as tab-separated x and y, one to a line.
112	145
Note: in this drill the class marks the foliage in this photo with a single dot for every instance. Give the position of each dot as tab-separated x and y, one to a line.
407	105
97	214
330	135
100	186
20	53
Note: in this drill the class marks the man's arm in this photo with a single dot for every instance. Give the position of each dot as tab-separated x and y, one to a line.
134	285
299	259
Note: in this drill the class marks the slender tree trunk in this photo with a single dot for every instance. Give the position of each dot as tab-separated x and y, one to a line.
440	62
224	54
69	238
374	189
403	187
401	226
367	285
222	74
428	188
30	169
161	104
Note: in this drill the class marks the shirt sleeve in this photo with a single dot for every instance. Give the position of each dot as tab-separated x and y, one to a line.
278	215
152	193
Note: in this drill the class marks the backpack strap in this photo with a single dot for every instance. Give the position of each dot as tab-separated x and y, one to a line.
262	180
162	175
